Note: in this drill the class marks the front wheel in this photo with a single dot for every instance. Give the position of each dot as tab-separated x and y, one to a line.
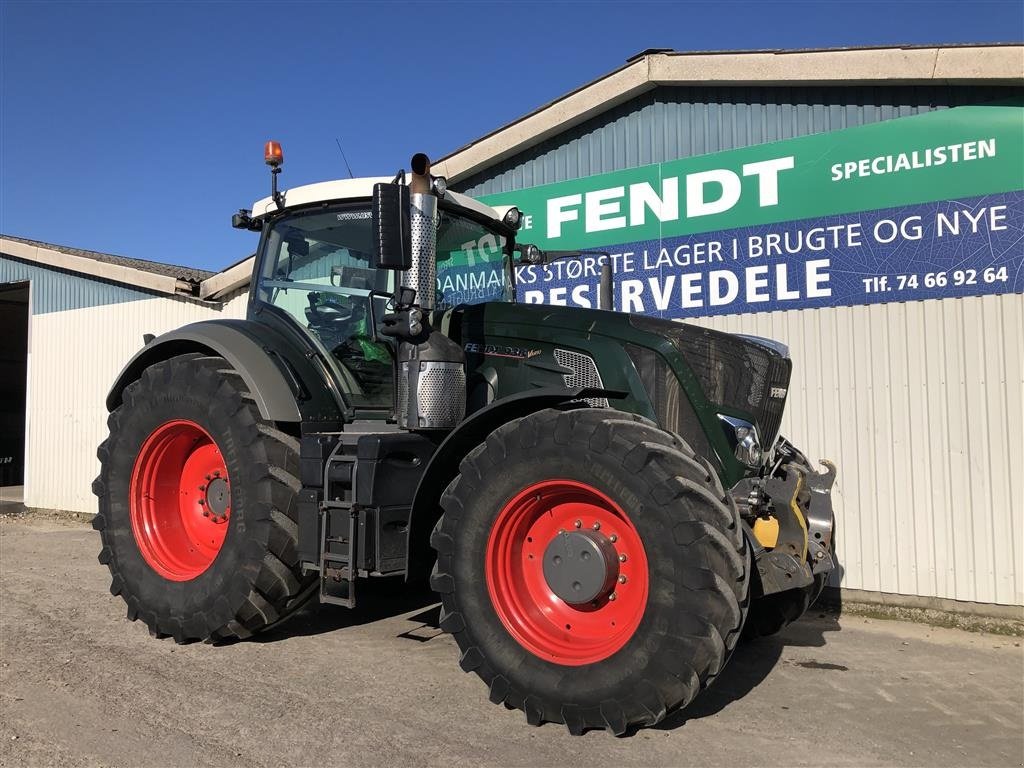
591	569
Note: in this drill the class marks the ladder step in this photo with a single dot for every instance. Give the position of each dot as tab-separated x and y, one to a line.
337	587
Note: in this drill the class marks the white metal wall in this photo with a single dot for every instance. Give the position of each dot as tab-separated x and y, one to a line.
74	357
921	405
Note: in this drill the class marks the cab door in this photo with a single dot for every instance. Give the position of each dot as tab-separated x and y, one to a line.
316	273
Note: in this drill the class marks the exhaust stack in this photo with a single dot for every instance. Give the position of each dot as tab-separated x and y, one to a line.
431	367
422	276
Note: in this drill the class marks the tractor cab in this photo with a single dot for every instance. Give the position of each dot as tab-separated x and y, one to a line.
319	270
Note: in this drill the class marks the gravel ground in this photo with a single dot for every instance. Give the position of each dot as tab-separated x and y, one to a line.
80	685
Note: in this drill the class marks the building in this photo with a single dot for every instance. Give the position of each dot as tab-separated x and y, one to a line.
918	402
71	320
916	390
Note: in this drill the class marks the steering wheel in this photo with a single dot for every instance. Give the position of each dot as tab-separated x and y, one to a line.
327	314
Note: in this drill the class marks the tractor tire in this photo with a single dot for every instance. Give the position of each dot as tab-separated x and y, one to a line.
649	628
771	614
197	505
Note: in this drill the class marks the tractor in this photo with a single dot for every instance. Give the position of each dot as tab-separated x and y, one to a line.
601	501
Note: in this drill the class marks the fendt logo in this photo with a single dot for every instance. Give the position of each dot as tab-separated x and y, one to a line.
707	192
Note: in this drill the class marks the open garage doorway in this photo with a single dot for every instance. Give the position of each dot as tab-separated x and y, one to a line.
13	380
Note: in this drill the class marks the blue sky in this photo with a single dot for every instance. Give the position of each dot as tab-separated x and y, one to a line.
137	128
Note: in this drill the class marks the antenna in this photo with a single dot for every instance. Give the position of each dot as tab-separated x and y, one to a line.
347	166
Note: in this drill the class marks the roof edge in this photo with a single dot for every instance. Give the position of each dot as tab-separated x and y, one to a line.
947	64
231	279
134	278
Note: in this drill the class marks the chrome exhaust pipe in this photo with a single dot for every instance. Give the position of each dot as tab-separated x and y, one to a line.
422	276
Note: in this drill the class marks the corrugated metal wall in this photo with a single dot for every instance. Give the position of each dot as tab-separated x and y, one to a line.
55	290
74	357
920	404
670	123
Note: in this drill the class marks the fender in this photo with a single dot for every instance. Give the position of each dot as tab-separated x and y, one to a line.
251	350
444	464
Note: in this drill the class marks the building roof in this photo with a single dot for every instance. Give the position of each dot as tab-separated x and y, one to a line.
999	64
189	274
138	273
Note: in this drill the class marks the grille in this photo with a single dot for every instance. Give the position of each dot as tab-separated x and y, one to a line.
441	395
733	371
584	374
403	397
671	404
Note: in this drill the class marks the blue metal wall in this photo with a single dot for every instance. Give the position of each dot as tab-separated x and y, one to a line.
56	290
669	123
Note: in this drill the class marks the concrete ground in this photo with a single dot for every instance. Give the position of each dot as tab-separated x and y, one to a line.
80	685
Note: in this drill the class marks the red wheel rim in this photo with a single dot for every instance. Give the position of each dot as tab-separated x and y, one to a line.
540	620
180	501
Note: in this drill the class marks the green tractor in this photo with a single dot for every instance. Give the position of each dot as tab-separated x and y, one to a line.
601	501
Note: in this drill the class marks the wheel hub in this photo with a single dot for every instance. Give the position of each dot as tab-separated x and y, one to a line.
580	566
218	497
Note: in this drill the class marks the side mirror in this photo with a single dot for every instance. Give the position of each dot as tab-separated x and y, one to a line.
392	238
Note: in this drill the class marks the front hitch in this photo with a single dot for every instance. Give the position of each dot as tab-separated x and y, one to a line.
820	517
798	504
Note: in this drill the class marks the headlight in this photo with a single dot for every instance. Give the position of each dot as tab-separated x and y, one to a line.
744	440
440	185
513	218
532	254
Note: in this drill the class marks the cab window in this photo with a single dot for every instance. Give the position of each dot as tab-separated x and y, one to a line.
317	268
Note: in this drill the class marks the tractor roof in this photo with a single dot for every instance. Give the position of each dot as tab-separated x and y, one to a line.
352	189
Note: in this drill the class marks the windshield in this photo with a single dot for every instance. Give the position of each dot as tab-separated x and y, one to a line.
317	268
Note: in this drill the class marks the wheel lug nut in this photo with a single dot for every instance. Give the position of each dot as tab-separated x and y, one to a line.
206	513
622	579
209	478
202	487
597	526
202	503
622	558
613	538
578	524
612	596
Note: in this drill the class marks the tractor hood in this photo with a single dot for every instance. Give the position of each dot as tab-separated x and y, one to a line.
742	376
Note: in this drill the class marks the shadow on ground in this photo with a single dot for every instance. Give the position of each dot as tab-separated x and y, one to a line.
378	599
752	662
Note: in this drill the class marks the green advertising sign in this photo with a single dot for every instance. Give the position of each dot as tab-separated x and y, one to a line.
961	152
923	207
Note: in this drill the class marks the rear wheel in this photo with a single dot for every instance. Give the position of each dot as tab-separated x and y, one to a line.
197	505
591	569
